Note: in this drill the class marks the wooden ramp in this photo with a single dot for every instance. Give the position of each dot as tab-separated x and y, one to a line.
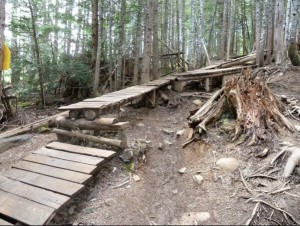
120	97
44	181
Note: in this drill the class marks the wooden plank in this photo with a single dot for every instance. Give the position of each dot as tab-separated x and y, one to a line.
49	183
90	160
32	193
3	222
64	174
59	163
24	210
81	150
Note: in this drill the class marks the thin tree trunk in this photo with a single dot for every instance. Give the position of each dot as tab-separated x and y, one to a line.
244	22
278	32
121	46
98	58
224	29
258	30
145	77
270	5
192	36
2	27
263	34
95	27
37	52
155	61
183	34
199	48
137	43
165	30
212	26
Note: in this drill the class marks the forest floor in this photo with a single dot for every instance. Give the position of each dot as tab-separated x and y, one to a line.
155	192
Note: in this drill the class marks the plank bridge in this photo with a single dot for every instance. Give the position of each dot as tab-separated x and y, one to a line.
33	190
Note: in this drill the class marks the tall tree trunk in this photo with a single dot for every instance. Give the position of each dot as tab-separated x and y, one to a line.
79	21
270	38
212	27
244	22
155	60
199	47
95	27
165	30
2	26
37	52
294	20
137	42
98	58
192	36
258	30
287	24
183	47
121	46
145	77
278	32
224	30
263	34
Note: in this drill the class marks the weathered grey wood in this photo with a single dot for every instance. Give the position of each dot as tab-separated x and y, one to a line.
81	150
101	140
89	125
32	193
64	174
24	210
3	222
59	163
49	183
70	156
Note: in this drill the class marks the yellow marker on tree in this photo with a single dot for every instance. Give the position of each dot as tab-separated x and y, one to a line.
6	58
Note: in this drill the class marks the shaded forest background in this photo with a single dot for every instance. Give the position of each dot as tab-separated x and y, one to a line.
78	48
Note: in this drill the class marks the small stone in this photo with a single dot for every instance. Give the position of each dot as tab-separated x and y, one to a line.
136	178
175	191
110	202
228	164
160	146
180	132
122	110
263	153
71	211
166	131
197	102
198	179
168	143
193	218
297	128
182	170
127	155
141	124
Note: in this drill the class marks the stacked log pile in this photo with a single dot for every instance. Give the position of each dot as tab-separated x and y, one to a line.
83	129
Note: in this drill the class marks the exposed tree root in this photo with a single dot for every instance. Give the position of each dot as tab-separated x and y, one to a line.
256	109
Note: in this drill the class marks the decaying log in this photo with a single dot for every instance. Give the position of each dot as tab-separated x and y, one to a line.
256	108
90	115
97	124
33	126
163	96
101	140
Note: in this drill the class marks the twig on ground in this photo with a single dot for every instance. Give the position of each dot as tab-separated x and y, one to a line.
277	208
245	184
120	185
264	176
278	156
280	190
297	196
253	214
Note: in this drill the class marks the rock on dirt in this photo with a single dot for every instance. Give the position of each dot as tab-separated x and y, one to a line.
168	132
167	143
136	178
141	125
198	179
180	132
6	143
182	170
192	218
127	155
228	164
197	102
110	202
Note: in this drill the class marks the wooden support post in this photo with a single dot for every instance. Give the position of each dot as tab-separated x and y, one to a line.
151	99
74	114
207	84
178	86
123	137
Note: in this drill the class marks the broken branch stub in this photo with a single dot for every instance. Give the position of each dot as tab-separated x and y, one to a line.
255	108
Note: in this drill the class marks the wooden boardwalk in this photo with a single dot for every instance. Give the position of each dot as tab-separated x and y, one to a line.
120	97
44	181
